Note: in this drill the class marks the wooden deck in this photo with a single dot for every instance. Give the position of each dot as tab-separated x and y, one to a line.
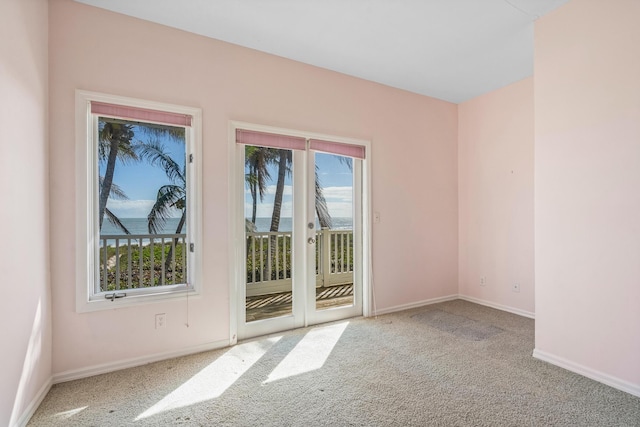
274	305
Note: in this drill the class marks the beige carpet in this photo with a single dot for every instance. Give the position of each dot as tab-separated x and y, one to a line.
449	364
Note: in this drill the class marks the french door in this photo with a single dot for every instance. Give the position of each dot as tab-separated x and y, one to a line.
300	239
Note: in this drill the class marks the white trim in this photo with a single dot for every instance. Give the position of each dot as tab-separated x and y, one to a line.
368	301
617	383
31	409
506	308
232	235
85	194
416	304
105	368
302	258
236	247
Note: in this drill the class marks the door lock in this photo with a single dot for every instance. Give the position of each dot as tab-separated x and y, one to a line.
311	240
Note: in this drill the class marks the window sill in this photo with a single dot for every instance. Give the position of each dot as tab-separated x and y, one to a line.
133	298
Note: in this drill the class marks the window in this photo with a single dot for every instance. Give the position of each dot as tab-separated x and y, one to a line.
137	201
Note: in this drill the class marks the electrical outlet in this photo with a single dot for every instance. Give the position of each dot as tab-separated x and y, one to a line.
161	321
516	287
483	281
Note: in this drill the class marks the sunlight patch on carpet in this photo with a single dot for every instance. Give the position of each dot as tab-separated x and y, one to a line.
310	353
64	415
215	379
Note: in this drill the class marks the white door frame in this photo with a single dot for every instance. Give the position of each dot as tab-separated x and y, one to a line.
236	230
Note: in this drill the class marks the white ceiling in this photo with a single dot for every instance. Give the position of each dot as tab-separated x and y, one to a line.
448	49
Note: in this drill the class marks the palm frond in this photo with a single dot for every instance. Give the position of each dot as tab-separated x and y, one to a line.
155	131
322	209
257	160
154	152
126	153
263	178
346	160
115	192
249	226
113	219
112	132
169	197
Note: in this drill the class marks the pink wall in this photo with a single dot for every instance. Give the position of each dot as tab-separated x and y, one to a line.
414	167
25	313
587	196
495	176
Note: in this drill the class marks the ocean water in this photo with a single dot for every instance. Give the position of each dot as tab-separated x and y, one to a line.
139	225
263	224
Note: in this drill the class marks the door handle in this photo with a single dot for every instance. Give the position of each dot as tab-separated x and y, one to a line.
311	240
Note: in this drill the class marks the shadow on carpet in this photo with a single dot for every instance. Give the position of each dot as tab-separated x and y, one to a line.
459	326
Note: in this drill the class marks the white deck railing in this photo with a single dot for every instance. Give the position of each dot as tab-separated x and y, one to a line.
269	260
142	260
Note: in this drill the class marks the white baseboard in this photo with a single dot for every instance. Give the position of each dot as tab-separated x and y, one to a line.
633	389
90	371
33	405
452	298
413	305
499	306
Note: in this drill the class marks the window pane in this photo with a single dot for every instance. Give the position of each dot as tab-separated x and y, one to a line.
268	232
334	240
142	202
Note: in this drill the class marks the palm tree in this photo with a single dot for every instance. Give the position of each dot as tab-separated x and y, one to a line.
284	167
257	161
322	210
114	142
115	193
170	196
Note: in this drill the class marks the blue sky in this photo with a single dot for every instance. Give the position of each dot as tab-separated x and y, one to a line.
141	181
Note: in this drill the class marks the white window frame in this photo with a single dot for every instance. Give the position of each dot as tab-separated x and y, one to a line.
87	232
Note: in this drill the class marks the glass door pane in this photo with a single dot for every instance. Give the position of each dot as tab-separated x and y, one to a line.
268	200
334	213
